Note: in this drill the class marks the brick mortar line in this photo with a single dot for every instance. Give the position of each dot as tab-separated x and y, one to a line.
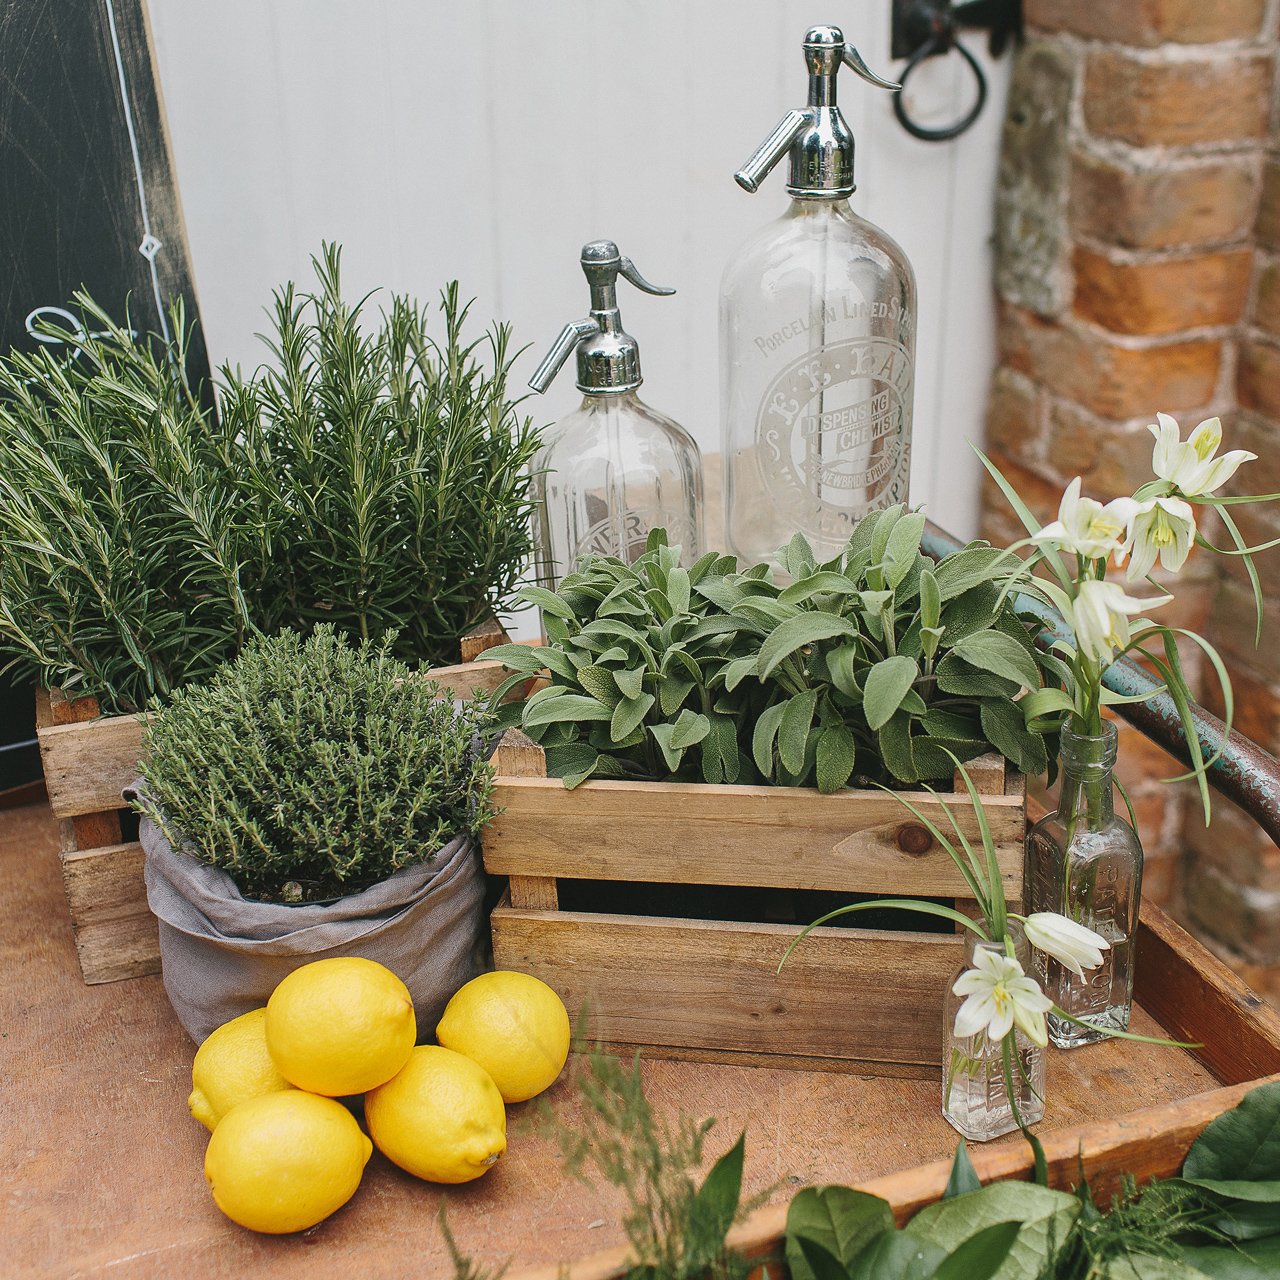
1168	51
1143	161
1121	255
1071	322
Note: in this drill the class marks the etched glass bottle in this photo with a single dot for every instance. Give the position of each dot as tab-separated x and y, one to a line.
817	341
975	1096
1085	862
614	468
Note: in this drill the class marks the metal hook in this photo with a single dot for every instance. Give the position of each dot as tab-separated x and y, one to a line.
939	44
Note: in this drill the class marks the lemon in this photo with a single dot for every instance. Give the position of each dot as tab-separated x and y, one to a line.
441	1118
340	1026
232	1066
514	1026
285	1161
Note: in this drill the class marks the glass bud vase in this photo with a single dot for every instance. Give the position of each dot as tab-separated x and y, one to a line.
1085	862
975	1097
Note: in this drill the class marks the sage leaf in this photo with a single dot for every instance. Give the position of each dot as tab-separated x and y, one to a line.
896	1255
737	671
631	682
1004	727
826	582
840	662
955	675
930	599
548	602
976	564
835	757
895	748
628	714
885	687
795	633
1001	655
662	736
570	706
793	732
599	683
672	691
678	590
689	729
903	547
762	740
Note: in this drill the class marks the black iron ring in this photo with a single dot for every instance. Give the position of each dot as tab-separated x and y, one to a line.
937	45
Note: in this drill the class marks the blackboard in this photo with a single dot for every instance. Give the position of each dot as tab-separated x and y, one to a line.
87	197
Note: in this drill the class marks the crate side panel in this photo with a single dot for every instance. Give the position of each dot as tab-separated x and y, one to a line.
87	766
680	833
714	985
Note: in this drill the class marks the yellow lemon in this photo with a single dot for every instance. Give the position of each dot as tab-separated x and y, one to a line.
340	1026
441	1118
285	1161
514	1026
231	1067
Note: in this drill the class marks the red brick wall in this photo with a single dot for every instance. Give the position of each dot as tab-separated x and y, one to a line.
1138	266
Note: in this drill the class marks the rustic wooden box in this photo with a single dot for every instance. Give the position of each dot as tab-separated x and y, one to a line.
707	989
88	761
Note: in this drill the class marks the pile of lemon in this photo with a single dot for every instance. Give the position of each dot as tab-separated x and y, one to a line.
285	1154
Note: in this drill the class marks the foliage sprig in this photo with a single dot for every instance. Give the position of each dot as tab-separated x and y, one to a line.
311	769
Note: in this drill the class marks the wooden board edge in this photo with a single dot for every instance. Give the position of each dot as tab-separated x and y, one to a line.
1150	1143
766	1061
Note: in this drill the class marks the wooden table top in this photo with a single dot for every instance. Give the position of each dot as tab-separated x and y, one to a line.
101	1166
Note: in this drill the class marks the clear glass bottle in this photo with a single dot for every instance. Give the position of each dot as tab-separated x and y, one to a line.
975	1097
615	468
817	341
1085	862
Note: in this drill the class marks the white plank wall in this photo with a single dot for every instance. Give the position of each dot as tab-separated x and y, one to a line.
488	139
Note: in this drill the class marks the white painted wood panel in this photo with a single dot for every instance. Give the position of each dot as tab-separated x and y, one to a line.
487	140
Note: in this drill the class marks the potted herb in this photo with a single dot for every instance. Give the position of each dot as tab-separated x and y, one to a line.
312	798
145	536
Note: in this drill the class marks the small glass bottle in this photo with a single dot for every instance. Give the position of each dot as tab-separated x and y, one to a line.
817	341
975	1097
1085	862
615	468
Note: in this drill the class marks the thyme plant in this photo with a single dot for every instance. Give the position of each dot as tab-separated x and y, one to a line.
372	475
310	769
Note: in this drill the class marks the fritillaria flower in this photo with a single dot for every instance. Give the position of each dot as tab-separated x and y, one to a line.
999	995
1070	944
1085	527
1189	465
1100	616
1160	528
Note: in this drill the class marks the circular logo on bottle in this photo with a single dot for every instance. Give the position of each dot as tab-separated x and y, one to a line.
832	431
602	538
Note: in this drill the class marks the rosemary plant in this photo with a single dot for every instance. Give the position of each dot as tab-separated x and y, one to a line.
372	476
311	769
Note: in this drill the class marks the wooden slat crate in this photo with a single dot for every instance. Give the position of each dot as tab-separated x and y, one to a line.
707	989
88	761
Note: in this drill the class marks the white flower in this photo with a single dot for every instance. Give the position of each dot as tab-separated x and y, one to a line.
1069	943
998	994
1100	617
1086	527
1190	465
1160	527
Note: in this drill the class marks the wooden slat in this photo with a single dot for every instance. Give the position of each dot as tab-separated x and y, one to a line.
518	756
783	837
987	773
712	985
88	829
1196	997
484	635
115	931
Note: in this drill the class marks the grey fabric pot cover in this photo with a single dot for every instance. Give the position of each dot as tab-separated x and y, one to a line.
222	954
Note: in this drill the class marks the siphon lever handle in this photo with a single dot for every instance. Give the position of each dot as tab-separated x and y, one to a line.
627	270
771	150
853	60
570	336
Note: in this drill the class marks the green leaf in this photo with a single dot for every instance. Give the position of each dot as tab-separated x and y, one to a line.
885	687
661	734
1241	1144
824	583
599	683
630	683
903	547
835	757
570	706
1047	1216
895	748
974	566
762	738
955	675
1006	730
628	714
1001	655
840	1220
840	662
690	729
930	599
796	557
714	1207
1251	1260
793	732
897	1255
889	518
964	1177
678	590
975	610
982	1255
737	671
672	691
795	633
547	601
1044	702
817	1261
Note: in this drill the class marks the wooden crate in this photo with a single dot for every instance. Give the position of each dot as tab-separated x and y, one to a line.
708	990
1190	995
88	760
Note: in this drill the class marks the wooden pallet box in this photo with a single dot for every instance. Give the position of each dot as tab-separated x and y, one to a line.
708	989
88	760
